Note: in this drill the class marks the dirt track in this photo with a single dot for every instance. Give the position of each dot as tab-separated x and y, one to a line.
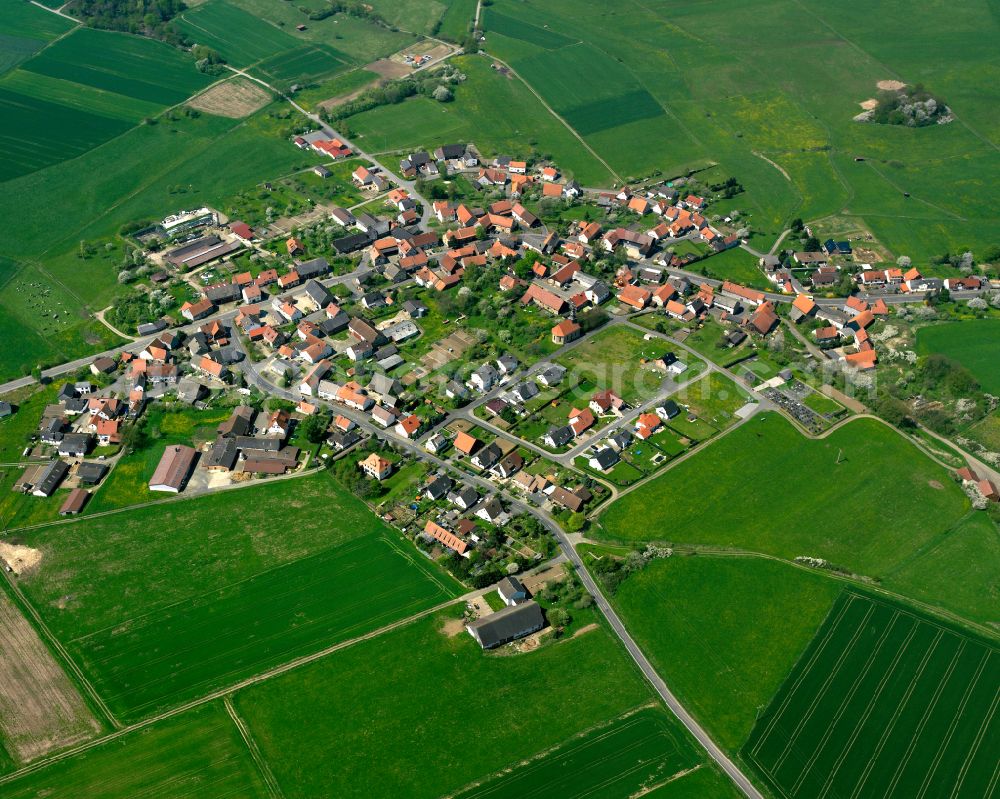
40	709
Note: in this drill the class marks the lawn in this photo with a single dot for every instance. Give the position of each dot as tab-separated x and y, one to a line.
198	753
921	191
612	360
714	399
631	753
339	86
885	702
738	265
29	403
139	597
384	700
724	632
497	113
973	343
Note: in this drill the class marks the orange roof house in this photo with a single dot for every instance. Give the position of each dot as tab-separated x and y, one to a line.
636	296
466	443
294	246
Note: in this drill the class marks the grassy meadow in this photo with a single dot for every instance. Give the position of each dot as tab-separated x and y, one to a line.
163	603
973	343
885	702
146	173
434	684
695	99
884	510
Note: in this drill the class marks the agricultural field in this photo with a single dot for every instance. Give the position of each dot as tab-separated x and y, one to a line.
697	100
724	632
453	692
40	708
636	752
457	20
417	16
240	37
108	587
885	702
819	479
96	83
198	753
496	112
248	32
973	343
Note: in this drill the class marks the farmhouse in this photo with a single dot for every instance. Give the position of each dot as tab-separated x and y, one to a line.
173	470
509	624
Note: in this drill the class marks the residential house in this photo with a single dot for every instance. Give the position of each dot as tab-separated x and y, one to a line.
376	467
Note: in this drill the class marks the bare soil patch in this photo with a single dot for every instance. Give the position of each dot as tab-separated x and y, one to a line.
19	558
935	484
536	582
333	102
40	710
234	99
890	85
388	68
870	104
453	627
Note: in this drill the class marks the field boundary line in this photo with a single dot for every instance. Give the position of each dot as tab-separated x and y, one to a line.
807	667
980	734
914	736
868	711
855	687
64	656
552	111
222	692
604	726
273	786
954	723
821	693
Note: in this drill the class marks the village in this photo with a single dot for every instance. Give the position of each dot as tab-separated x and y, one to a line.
450	352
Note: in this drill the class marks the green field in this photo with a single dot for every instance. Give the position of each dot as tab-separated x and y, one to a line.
973	343
724	632
97	84
884	702
632	753
729	476
197	754
917	541
457	19
241	37
498	113
132	66
163	603
386	701
704	84
305	64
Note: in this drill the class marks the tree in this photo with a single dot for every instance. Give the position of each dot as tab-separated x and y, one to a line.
314	427
443	94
